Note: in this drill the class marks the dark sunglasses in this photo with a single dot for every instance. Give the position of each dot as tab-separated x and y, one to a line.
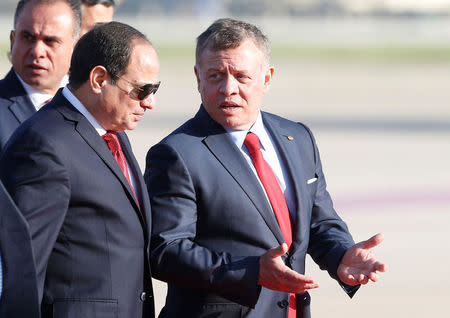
142	92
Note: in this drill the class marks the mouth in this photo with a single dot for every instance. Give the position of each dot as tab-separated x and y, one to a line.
36	68
229	106
139	115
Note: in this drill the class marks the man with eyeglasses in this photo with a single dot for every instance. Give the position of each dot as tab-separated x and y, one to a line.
71	171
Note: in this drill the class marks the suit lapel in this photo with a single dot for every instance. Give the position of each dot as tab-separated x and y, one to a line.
22	108
232	160
140	187
288	148
92	138
21	105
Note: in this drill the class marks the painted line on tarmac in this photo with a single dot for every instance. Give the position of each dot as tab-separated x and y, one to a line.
397	198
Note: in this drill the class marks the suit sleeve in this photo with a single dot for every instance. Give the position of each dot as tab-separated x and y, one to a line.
38	183
176	257
329	235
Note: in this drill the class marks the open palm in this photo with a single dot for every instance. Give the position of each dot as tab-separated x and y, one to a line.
359	264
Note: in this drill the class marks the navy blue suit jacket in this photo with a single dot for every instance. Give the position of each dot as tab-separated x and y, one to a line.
19	292
15	106
212	221
89	234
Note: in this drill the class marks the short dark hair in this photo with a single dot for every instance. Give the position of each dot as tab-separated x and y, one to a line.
106	3
75	5
107	44
228	34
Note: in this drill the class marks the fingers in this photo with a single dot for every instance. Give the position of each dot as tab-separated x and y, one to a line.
275	275
362	279
373	277
278	251
380	267
349	280
373	241
294	282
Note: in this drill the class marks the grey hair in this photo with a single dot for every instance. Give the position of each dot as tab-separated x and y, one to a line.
228	34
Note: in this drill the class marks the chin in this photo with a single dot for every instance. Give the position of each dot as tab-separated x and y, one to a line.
132	126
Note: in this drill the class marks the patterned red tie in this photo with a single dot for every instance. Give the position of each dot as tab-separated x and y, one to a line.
276	198
113	144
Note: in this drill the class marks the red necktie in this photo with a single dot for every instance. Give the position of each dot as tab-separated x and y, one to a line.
113	144
276	198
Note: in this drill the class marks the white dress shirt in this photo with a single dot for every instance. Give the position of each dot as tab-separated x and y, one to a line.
101	131
270	154
39	99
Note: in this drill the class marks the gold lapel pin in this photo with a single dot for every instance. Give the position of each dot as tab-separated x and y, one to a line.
290	137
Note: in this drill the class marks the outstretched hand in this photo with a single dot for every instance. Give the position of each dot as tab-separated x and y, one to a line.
275	275
359	264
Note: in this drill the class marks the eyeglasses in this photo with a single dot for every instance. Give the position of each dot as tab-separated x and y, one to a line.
141	92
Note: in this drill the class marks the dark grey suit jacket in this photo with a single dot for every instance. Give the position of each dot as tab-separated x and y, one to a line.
19	292
15	106
212	221
89	235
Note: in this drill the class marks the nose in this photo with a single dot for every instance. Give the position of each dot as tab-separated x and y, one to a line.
148	102
229	86
38	49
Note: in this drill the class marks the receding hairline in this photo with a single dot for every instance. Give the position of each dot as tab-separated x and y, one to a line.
34	4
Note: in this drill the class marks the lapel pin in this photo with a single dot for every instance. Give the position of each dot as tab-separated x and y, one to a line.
290	137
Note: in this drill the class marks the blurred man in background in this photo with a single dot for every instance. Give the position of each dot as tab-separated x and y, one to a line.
95	11
45	32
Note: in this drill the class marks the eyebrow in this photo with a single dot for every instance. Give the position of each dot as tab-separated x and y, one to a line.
46	38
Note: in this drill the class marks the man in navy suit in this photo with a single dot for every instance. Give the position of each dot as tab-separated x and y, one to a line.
42	41
71	171
18	288
239	197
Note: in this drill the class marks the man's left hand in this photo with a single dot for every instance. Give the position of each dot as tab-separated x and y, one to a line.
359	264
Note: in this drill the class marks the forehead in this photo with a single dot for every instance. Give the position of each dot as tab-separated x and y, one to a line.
55	17
97	12
144	62
245	56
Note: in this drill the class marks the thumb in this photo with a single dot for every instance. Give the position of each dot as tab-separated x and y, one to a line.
278	251
373	241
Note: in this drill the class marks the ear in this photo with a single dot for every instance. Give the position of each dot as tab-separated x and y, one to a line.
268	76
98	78
197	76
12	37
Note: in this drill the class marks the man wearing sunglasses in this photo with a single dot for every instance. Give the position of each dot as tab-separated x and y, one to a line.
71	171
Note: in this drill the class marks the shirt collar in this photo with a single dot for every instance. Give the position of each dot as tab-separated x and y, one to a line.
80	107
238	136
38	99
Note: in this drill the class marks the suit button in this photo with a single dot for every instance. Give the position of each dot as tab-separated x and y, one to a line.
143	296
283	303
